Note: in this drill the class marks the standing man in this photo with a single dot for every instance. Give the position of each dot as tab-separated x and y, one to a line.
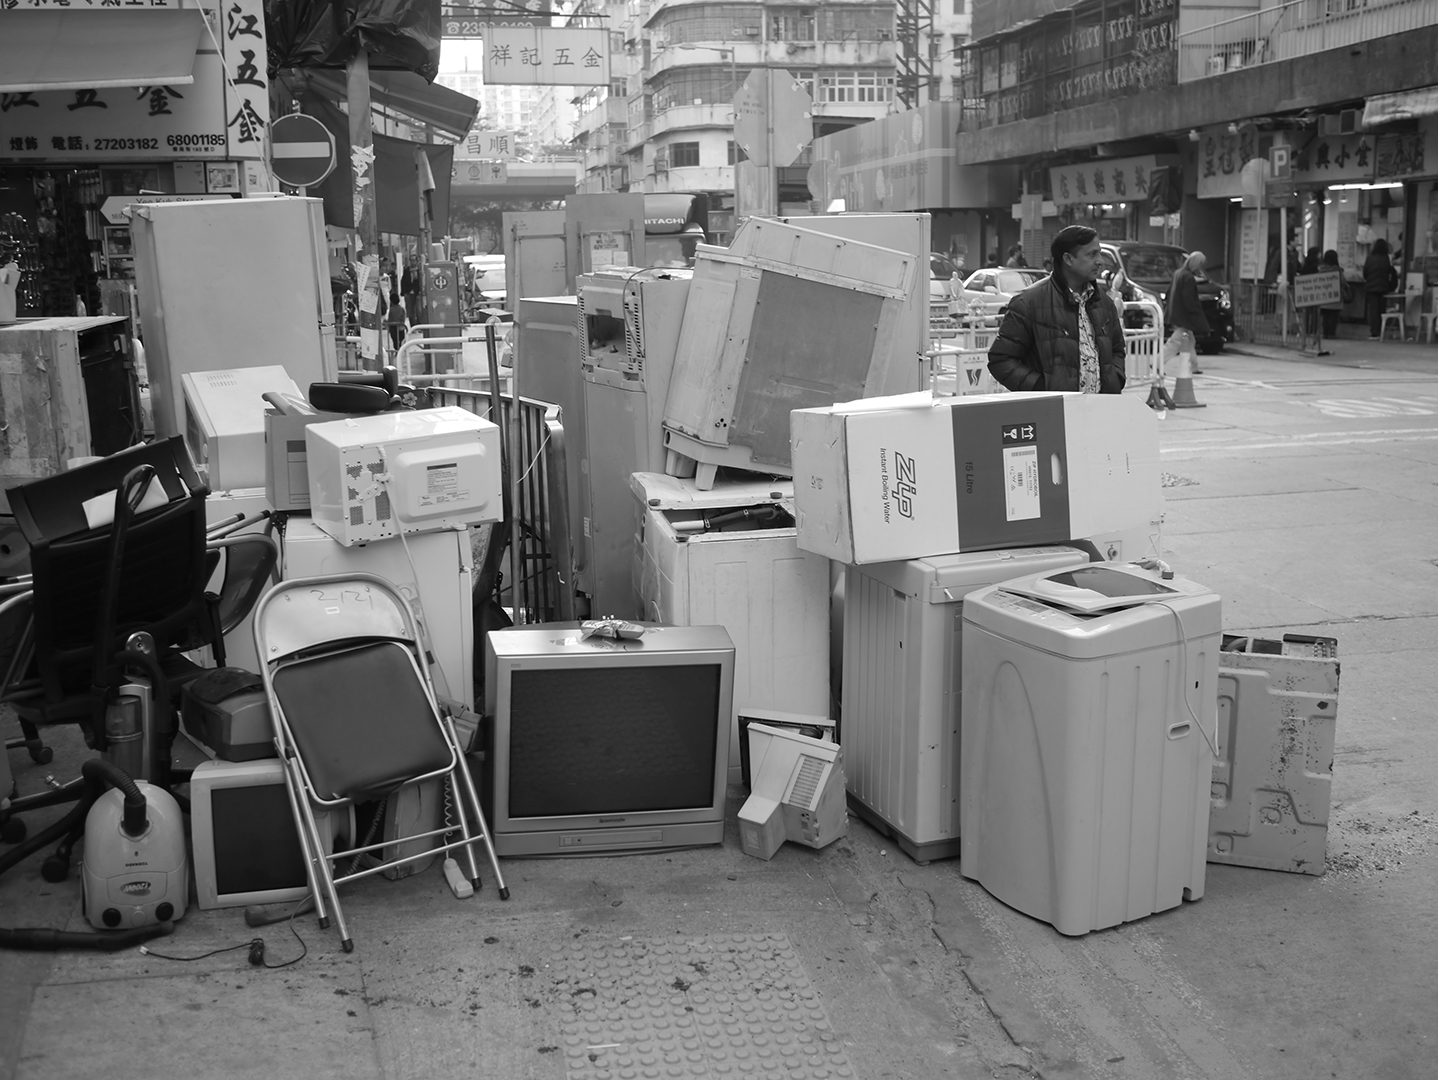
1185	313
1063	332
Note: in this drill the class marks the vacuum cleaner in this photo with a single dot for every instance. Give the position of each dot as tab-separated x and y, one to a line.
135	871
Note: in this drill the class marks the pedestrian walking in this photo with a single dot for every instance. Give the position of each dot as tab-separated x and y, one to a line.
1062	332
1016	256
1379	279
1184	313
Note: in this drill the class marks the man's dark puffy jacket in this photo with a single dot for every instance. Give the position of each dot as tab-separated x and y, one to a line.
1038	343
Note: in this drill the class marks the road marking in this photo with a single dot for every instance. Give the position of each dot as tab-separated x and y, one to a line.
1417	435
1359	408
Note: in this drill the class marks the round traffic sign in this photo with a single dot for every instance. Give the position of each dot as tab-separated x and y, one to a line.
302	150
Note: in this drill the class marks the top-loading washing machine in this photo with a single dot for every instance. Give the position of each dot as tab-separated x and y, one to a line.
1089	704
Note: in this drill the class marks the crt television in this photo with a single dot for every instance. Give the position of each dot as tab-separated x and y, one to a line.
599	745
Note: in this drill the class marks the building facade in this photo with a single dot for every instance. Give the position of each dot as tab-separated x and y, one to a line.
1156	120
666	123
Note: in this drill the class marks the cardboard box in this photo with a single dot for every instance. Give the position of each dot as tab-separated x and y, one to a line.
911	476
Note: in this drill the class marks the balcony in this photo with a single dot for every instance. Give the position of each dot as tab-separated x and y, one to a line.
1294	29
798	55
684	117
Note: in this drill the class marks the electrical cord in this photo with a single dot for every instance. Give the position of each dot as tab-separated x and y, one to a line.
256	947
1183	675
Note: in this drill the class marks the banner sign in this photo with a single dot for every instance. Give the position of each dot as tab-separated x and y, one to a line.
546	56
1316	290
487	146
203	119
123	123
1109	180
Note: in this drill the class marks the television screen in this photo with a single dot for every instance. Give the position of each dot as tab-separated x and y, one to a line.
612	740
256	846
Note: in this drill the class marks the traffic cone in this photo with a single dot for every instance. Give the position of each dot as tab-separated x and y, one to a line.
1183	384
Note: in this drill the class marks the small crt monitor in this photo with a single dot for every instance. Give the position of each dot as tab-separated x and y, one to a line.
796	791
599	745
245	844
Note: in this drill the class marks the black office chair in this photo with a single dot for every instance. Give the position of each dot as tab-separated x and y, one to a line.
93	589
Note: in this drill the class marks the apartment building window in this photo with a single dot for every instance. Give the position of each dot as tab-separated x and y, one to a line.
960	7
733	152
707	22
960	40
796	24
683	155
856	24
855	86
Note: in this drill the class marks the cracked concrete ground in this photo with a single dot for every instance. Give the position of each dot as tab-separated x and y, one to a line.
1300	514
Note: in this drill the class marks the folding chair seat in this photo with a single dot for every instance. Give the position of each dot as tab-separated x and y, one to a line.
356	719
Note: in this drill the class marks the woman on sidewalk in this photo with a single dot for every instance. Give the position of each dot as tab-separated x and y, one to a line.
1379	279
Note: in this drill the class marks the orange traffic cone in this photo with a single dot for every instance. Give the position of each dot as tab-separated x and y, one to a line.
1183	384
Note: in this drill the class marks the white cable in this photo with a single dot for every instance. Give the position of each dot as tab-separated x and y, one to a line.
1183	676
422	621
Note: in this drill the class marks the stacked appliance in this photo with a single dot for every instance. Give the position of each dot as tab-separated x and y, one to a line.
630	322
232	283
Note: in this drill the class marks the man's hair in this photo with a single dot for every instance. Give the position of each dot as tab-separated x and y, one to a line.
1070	238
1196	261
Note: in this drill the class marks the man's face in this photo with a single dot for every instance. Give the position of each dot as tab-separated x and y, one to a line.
1083	264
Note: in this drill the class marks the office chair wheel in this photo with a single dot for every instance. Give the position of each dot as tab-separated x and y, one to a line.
55	868
41	754
13	831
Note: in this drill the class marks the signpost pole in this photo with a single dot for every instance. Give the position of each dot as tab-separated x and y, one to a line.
366	228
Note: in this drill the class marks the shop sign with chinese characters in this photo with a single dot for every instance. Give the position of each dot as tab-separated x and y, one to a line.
1400	155
486	146
1110	180
1332	159
546	56
201	119
1221	158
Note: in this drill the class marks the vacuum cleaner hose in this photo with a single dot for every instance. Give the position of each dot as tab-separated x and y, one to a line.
102	772
72	820
43	939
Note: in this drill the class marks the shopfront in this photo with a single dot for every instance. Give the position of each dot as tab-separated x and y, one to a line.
134	104
1347	189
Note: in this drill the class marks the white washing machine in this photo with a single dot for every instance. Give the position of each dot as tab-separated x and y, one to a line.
435	575
901	687
749	576
1090	698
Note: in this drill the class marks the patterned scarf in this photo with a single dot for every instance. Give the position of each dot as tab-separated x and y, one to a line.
1088	350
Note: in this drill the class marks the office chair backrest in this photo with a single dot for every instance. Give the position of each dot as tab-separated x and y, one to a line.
161	584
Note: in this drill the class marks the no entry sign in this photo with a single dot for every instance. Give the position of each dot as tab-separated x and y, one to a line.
302	150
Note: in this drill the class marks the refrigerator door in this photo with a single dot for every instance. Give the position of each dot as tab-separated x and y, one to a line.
231	283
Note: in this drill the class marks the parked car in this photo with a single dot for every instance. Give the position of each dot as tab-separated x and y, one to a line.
989	290
1135	270
942	270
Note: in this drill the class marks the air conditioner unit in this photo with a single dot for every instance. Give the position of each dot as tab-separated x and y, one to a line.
749	31
1344	123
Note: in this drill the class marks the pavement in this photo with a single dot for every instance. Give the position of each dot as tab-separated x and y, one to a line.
1305	491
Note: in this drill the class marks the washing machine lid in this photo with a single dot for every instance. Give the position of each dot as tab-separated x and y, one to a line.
1099	587
661	492
947	579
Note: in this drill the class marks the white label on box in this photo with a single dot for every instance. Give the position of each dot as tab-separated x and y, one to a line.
1021	482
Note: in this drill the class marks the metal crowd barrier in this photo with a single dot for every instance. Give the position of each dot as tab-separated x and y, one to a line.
541	560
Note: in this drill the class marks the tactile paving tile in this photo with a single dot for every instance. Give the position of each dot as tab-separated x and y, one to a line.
718	1005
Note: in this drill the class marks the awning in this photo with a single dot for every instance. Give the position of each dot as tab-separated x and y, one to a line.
441	108
90	50
1404	105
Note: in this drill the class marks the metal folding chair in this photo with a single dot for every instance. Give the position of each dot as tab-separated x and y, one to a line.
356	719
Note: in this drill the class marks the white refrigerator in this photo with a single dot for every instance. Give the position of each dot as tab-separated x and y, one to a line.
231	283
